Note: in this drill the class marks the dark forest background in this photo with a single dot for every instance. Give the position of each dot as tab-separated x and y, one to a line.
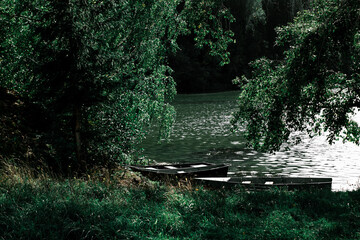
256	20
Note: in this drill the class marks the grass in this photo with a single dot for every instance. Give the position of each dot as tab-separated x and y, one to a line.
129	207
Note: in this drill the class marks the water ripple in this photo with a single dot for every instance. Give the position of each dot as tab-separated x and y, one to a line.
201	133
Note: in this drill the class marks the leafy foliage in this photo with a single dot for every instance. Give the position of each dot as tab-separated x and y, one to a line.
98	69
315	87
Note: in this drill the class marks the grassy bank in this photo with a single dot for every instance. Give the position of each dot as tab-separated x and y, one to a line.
87	209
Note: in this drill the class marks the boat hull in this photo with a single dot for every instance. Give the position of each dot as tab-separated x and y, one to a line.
188	170
263	183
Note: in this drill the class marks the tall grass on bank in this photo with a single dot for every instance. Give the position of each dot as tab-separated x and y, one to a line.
45	208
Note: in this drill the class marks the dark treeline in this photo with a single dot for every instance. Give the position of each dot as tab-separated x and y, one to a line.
196	71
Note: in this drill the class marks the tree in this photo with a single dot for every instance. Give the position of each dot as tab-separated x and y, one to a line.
254	36
315	88
98	69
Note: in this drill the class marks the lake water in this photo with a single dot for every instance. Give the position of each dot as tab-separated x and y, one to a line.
201	133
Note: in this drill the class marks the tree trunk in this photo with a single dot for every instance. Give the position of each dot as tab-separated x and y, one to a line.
77	134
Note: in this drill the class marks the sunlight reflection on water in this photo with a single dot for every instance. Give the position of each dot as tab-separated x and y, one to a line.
201	133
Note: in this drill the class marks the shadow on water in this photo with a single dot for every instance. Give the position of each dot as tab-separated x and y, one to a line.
202	133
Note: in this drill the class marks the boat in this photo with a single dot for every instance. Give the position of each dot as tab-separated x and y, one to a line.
189	170
263	183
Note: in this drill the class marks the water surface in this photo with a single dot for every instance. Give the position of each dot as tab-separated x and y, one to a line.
201	133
